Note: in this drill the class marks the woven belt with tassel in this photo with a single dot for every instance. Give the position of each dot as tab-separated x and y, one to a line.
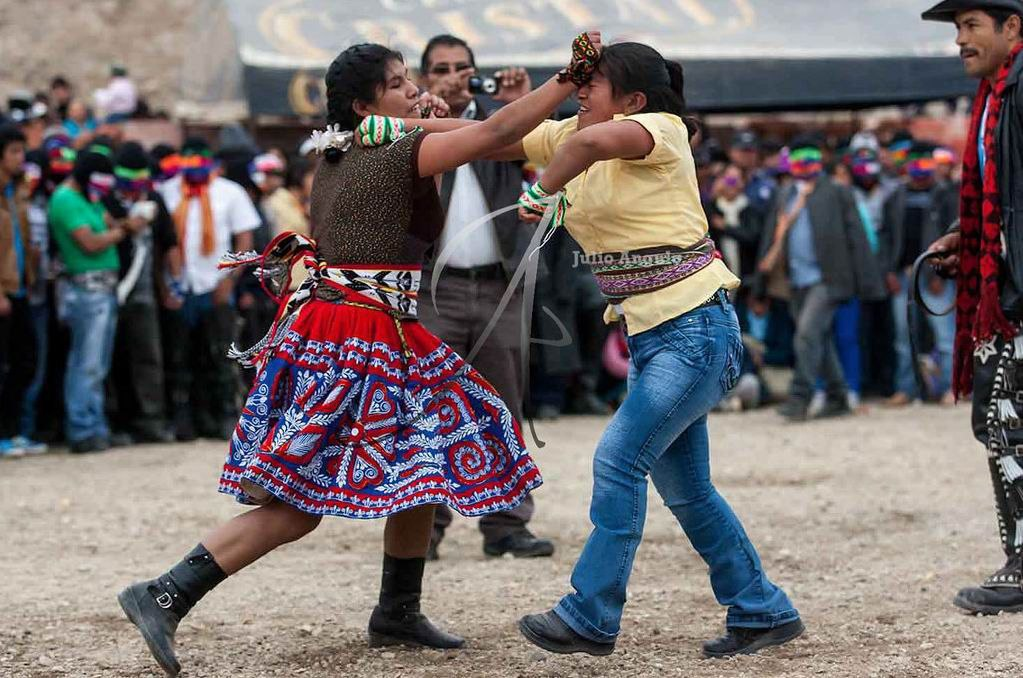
394	288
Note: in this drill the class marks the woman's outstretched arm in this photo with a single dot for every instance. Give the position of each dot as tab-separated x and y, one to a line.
604	141
513	151
447	150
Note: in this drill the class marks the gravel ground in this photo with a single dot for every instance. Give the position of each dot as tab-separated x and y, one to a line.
871	523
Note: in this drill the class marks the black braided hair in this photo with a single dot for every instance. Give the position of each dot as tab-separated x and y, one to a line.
635	67
355	75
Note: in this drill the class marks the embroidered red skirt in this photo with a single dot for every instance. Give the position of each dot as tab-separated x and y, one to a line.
340	421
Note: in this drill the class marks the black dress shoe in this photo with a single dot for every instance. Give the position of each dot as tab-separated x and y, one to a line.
410	628
548	632
156	623
153	435
794	410
835	408
121	439
89	445
183	426
521	545
739	640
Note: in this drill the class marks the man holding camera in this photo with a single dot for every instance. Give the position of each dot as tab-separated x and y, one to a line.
479	269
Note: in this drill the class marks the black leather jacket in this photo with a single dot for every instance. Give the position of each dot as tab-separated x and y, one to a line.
1009	161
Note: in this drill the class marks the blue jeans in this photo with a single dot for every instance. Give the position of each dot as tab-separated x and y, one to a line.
41	322
678	371
944	329
92	319
847	343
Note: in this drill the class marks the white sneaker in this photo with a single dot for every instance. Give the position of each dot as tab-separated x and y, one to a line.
9	449
29	446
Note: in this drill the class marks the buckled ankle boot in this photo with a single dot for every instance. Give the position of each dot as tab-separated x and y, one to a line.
1001	592
157	606
397	620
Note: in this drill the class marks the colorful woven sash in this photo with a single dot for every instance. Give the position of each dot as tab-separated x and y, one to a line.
391	290
624	274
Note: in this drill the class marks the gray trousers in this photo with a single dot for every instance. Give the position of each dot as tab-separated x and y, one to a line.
464	308
814	313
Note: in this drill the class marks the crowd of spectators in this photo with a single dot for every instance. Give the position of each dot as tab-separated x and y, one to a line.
115	320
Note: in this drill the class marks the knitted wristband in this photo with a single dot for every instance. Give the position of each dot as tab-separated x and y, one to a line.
585	58
377	130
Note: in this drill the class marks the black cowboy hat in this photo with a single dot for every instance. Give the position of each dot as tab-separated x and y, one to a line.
947	10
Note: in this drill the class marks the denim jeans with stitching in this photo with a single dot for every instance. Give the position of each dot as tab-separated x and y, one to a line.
92	318
678	371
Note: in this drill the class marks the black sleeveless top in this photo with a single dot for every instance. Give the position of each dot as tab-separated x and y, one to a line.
373	208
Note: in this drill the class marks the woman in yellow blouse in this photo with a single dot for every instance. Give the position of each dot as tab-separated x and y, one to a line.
625	167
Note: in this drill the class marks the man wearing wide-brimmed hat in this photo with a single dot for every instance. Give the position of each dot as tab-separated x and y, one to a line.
986	256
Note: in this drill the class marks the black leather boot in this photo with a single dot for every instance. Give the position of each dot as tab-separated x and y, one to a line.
549	632
397	619
739	640
157	606
1002	592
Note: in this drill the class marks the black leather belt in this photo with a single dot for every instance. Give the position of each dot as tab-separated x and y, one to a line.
716	300
488	272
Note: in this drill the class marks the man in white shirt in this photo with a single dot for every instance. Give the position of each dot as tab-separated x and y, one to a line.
212	216
478	271
119	99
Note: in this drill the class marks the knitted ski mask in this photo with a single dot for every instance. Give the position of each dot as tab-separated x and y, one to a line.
132	170
866	168
94	174
920	163
806	163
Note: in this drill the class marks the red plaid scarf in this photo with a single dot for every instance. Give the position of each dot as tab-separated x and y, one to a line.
979	315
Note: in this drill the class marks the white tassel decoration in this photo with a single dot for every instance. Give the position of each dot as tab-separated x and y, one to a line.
1011	468
1007	413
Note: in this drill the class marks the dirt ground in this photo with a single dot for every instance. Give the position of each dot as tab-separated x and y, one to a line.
871	523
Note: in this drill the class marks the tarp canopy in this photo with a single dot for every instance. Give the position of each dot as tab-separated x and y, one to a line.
267	57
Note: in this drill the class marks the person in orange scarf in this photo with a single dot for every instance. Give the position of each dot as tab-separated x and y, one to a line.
984	253
212	215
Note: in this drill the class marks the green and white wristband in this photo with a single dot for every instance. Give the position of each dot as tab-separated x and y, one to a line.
378	130
536	199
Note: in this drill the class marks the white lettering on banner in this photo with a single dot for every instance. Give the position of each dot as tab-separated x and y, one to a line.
398	6
747	15
392	32
281	24
456	23
576	12
697	12
627	10
512	16
305	29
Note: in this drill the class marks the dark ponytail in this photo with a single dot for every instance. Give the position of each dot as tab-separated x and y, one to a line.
635	67
355	75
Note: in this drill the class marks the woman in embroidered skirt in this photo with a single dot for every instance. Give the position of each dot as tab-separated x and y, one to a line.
357	410
631	198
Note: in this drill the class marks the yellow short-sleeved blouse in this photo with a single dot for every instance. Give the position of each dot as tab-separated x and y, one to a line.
626	205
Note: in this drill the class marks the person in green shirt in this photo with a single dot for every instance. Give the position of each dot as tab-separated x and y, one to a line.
87	237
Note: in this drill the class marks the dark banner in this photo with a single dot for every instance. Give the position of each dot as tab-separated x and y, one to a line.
711	85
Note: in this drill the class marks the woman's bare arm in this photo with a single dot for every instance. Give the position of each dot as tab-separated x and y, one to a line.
513	151
447	150
604	141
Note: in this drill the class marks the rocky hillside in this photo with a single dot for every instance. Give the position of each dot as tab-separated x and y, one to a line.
81	38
